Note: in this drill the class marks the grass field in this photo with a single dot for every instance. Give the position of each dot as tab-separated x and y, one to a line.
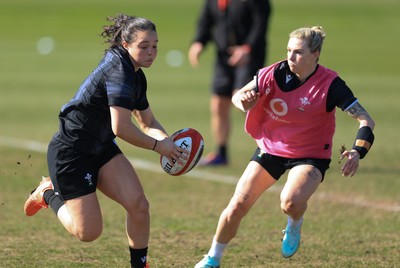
351	222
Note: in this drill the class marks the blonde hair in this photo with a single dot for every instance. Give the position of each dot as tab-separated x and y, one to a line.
314	36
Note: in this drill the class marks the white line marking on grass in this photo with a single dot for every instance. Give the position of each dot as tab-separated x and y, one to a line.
197	174
23	144
204	175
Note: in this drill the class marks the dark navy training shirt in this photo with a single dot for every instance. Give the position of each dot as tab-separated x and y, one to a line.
85	121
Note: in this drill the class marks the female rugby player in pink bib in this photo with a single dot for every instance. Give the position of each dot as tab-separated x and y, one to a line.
290	109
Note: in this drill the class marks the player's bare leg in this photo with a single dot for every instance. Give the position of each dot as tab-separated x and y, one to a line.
254	181
301	184
119	181
220	130
82	217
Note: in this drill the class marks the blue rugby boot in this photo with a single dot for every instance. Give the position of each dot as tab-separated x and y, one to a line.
208	262
291	240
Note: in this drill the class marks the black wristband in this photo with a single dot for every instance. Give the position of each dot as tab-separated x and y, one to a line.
364	140
155	144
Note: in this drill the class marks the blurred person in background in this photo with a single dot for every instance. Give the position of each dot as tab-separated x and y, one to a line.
239	30
290	109
83	155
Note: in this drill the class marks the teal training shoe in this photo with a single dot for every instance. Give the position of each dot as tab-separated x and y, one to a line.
208	262
291	240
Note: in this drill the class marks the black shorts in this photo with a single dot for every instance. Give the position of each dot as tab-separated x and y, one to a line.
227	78
276	165
74	173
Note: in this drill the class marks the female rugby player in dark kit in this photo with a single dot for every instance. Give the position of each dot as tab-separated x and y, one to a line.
290	109
83	156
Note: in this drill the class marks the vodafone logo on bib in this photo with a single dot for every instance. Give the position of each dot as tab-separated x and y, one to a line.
278	106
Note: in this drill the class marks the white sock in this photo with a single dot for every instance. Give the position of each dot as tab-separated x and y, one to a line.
292	222
217	249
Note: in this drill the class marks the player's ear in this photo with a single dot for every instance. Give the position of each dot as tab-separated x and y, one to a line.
125	44
317	53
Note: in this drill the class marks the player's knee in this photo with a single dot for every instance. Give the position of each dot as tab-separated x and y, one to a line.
293	208
288	206
236	210
138	205
89	233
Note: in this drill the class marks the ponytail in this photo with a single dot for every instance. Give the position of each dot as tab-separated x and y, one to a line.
124	28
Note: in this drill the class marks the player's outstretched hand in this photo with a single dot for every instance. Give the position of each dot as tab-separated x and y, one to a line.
351	165
245	99
168	148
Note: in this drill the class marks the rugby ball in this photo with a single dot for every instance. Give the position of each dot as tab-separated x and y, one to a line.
191	140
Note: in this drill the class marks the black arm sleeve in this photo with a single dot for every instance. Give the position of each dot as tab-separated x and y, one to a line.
261	12
339	95
205	25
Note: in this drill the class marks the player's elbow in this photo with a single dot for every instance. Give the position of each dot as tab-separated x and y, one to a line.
371	124
118	129
238	103
367	122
